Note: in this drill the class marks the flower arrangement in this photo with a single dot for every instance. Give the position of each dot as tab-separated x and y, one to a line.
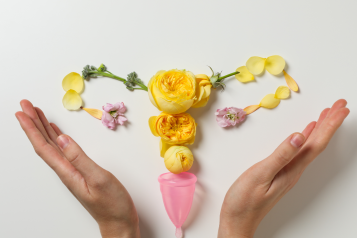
173	92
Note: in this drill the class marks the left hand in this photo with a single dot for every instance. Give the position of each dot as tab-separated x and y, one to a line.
104	197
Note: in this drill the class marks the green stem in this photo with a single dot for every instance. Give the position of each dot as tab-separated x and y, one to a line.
226	76
108	75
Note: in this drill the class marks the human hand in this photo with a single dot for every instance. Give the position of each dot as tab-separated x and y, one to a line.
259	188
104	197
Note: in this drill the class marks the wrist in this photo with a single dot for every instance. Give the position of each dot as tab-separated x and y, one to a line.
236	227
119	230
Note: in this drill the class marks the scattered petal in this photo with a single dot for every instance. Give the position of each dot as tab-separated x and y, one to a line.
244	75
251	109
113	114
163	147
94	112
275	64
152	125
291	82
73	81
71	100
256	65
282	92
270	101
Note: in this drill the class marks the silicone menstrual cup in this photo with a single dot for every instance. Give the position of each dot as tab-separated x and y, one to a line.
177	192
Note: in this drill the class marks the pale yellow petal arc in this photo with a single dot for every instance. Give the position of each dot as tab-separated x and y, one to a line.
251	109
244	75
73	81
163	147
275	64
71	100
202	76
282	92
94	112
290	82
152	125
269	101
256	65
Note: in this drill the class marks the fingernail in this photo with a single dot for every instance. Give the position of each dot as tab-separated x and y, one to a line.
63	141
297	140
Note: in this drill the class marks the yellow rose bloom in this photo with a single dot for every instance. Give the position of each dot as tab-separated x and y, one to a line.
172	91
178	159
175	129
203	90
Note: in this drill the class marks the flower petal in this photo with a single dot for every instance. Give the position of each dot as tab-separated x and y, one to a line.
71	100
244	75
269	101
256	65
94	112
291	82
275	64
73	81
163	148
251	109
282	92
152	125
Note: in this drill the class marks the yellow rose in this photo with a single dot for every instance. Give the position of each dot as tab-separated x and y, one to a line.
172	91
178	159
203	90
175	129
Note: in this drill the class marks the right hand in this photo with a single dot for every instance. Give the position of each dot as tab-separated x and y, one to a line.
259	188
104	197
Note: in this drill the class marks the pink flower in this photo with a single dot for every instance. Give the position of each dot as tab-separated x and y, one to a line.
229	116
113	114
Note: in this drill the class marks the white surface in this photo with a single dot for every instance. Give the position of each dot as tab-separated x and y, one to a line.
42	41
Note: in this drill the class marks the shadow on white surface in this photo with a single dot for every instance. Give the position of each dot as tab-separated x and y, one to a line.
333	161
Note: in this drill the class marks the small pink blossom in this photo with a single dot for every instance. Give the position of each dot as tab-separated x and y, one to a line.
113	114
229	116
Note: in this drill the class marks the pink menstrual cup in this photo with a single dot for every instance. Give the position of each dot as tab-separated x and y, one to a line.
177	192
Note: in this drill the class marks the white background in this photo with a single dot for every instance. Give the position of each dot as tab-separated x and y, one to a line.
42	41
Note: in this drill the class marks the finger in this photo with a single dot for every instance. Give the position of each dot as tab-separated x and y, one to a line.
49	154
283	155
316	144
322	117
28	108
76	156
309	128
49	129
336	106
56	129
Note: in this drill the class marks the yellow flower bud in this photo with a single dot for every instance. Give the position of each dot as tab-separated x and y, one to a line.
178	159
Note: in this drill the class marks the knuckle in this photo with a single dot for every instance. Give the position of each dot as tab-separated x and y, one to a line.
103	180
283	157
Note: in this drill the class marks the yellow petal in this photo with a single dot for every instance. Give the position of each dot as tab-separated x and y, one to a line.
256	65
282	92
291	82
202	76
71	100
201	103
251	109
275	64
73	81
94	112
163	148
269	101
152	125
244	75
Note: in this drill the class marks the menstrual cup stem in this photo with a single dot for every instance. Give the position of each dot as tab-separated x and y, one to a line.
178	232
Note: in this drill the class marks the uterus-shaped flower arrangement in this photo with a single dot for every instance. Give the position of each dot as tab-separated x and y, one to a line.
173	92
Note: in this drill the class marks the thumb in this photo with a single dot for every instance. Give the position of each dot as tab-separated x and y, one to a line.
283	154
76	156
